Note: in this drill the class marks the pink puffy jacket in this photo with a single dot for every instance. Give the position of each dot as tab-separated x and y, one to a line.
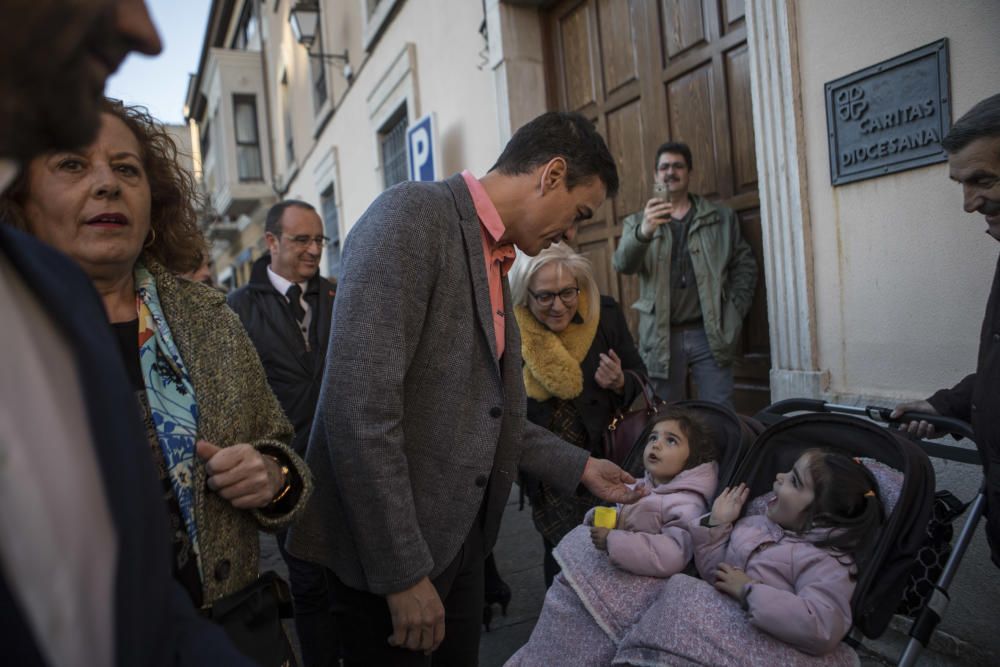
800	593
651	537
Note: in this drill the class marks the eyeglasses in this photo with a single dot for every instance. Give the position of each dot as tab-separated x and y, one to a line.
677	166
545	299
304	241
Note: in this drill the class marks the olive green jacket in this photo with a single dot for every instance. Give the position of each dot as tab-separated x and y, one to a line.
725	270
235	404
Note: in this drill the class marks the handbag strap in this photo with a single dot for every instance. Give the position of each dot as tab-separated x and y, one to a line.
648	395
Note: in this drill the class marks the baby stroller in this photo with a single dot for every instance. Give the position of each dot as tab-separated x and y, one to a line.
880	585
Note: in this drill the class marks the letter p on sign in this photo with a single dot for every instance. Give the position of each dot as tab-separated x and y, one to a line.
420	142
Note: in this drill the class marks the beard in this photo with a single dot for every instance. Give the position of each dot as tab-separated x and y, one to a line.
58	116
52	100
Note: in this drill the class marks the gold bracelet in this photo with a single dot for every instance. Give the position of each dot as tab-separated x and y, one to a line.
283	491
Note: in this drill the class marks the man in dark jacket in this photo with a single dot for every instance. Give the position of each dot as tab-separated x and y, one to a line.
973	147
286	309
84	542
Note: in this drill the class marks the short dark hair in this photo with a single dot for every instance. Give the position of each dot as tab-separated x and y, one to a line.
560	134
982	120
273	222
673	147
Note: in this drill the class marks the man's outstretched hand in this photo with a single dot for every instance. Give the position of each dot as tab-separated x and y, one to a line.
608	482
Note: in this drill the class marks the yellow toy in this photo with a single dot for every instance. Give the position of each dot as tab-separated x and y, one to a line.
605	517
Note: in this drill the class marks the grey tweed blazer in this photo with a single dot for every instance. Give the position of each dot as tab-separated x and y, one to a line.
416	420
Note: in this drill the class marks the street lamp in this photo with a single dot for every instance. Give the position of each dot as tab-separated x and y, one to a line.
304	19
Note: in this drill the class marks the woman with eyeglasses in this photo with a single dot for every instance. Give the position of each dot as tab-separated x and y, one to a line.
576	349
124	210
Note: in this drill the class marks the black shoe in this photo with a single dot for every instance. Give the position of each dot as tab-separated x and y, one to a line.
500	594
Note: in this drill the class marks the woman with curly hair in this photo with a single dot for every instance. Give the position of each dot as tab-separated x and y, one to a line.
123	209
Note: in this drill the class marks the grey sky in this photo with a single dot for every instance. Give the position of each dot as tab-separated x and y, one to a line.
160	83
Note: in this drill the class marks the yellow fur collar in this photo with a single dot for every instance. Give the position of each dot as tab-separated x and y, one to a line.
552	360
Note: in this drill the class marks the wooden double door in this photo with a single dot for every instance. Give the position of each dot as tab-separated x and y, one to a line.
649	71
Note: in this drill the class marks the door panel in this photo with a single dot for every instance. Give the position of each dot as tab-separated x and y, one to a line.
692	114
624	137
599	255
744	156
683	25
733	12
618	64
575	38
647	72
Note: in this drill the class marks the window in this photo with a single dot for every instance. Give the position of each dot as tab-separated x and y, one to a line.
393	140
287	121
246	29
378	14
318	70
331	228
248	162
206	139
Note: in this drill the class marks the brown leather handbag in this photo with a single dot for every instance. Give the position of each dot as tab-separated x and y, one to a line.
626	427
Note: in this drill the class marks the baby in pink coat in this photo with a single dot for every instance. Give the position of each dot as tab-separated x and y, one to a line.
651	536
597	596
792	568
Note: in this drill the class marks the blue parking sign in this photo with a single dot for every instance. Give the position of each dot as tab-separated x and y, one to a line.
420	140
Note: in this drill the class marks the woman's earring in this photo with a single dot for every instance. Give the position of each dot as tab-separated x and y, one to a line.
152	238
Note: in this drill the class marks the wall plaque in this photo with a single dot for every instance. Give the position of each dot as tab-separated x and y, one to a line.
890	116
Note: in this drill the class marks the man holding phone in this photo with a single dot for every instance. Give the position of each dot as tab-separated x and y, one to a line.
696	281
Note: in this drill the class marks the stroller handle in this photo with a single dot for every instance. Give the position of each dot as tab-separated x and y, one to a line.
946	425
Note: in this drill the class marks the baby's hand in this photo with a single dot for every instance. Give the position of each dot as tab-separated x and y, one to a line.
730	580
599	536
727	506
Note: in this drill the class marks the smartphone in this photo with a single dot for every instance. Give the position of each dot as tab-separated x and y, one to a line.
660	191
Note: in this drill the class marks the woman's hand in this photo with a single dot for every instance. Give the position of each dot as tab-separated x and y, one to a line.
731	580
241	474
609	373
727	506
599	536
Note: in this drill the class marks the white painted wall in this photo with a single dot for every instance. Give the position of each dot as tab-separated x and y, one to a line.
901	272
438	41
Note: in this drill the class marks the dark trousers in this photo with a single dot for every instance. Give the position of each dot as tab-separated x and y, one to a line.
365	625
311	598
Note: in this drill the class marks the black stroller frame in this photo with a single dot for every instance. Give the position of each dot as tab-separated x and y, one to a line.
927	620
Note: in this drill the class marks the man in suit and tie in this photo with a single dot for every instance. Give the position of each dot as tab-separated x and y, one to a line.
84	545
285	307
421	427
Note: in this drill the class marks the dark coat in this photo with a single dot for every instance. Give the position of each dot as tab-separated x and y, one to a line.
294	373
155	623
977	400
594	404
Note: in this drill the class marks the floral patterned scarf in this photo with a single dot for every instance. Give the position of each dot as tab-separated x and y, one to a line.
171	398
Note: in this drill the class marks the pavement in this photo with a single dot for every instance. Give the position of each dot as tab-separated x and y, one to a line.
519	559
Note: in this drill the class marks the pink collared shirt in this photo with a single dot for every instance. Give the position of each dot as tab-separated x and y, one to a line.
498	257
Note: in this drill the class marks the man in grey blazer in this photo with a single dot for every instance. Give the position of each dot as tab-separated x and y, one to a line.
420	428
